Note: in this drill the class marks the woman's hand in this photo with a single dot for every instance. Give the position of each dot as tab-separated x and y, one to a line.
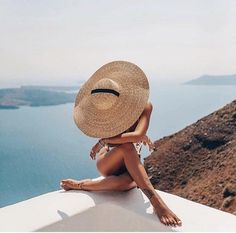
95	149
147	141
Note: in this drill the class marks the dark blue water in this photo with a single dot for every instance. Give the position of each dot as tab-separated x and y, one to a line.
39	146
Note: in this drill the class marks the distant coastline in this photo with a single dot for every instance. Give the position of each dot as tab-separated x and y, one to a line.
8	107
33	95
13	98
213	80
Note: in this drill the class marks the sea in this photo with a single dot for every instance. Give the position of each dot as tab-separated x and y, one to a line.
39	146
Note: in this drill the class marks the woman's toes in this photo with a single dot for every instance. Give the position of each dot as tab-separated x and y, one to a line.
164	221
167	221
173	222
67	182
62	184
64	181
63	187
178	221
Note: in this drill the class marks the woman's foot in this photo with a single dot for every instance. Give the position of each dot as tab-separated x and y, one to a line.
167	217
70	184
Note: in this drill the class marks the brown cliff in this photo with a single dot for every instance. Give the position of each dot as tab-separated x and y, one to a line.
199	162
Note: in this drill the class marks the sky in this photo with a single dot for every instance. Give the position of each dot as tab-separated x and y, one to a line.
61	42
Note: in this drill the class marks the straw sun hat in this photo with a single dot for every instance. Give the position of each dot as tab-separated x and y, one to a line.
111	100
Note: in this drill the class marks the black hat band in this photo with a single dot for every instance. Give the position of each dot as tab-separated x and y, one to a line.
104	90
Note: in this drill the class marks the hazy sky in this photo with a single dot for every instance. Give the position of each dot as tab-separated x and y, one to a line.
63	41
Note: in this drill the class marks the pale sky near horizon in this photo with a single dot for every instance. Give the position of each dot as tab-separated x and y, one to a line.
59	42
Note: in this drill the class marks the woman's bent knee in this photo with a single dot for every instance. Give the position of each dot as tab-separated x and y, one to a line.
110	162
101	169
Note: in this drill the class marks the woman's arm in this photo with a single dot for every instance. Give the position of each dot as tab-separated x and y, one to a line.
140	130
123	138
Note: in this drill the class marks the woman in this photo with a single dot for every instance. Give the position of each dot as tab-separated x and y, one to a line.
113	106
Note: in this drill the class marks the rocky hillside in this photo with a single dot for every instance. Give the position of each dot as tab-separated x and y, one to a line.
199	162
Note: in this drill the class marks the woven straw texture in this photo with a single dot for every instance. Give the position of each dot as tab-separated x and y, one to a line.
103	115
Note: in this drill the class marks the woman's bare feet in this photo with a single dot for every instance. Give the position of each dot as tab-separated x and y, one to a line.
167	217
70	184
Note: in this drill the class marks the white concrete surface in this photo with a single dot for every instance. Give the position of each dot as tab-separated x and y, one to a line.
108	211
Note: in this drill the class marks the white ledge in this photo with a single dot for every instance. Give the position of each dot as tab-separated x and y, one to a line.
108	211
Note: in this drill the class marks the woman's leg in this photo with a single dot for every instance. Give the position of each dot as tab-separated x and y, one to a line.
126	155
116	176
139	175
122	182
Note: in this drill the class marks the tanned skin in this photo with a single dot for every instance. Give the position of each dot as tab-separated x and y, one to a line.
124	156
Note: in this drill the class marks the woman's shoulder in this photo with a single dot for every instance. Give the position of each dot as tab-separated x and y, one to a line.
148	106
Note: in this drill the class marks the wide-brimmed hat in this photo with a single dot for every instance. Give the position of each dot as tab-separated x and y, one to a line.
111	100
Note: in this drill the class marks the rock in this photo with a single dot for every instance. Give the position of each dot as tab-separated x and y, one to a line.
228	201
229	190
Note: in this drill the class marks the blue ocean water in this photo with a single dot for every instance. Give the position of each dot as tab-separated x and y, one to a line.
39	146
